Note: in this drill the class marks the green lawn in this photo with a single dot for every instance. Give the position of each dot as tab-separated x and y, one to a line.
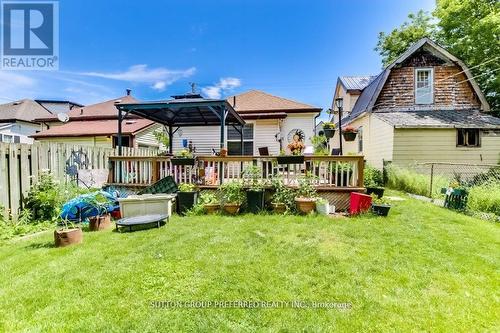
422	269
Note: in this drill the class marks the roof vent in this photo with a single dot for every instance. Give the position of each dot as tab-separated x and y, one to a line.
16	103
130	122
118	101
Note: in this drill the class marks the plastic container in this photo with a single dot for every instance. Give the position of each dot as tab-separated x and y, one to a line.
360	203
146	204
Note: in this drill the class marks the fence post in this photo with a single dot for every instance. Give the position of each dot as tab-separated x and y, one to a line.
432	179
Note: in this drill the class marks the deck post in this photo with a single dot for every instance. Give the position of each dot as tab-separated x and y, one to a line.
170	140
222	139
120	119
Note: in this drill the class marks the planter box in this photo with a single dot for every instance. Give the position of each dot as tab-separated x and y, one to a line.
292	159
329	132
349	136
186	201
378	191
100	222
182	161
381	210
255	201
146	204
67	237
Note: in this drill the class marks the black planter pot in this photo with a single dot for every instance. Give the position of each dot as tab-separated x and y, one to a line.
329	132
378	191
186	201
343	178
381	210
349	136
255	201
182	161
292	159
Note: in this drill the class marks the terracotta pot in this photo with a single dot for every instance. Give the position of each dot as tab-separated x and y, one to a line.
67	237
279	208
305	205
100	222
232	208
211	208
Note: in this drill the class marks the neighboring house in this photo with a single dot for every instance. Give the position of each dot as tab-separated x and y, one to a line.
97	125
424	107
271	122
17	120
57	106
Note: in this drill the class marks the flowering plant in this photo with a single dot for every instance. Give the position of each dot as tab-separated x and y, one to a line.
296	147
349	129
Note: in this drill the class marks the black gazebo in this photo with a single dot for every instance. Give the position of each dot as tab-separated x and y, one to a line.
183	110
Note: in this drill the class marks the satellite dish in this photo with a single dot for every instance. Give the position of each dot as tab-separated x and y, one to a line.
63	117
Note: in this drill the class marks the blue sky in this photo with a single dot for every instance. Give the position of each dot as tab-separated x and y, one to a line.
294	49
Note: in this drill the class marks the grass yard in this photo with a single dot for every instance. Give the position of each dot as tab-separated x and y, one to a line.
422	269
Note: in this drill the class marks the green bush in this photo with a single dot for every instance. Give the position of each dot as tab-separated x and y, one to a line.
485	198
372	177
412	182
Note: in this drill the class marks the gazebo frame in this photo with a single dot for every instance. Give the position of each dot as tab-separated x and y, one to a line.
181	111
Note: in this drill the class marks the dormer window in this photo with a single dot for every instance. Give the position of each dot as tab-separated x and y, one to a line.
424	90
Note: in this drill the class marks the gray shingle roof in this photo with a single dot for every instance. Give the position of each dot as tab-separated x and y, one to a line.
356	82
439	119
25	109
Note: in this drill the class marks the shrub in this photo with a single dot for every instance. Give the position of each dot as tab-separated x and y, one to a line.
306	187
232	192
283	194
186	187
485	198
373	177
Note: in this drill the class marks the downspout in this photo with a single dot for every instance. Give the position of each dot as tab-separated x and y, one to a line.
315	118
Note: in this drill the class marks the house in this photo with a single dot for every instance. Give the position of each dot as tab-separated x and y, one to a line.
424	107
17	120
97	125
271	122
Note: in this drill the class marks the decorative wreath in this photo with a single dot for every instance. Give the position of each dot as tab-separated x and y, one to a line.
296	133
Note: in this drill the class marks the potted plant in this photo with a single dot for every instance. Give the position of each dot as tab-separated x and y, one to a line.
329	129
283	197
232	195
67	235
255	192
183	157
223	152
306	194
373	180
349	133
380	206
296	147
186	197
322	206
210	202
102	219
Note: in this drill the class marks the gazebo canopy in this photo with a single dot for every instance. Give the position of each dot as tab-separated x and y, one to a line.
184	110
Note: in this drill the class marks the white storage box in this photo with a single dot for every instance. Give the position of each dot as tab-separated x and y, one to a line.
145	204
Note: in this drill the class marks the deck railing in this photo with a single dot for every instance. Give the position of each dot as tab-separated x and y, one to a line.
329	171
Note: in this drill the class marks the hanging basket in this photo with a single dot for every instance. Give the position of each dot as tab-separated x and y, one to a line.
349	136
182	161
329	132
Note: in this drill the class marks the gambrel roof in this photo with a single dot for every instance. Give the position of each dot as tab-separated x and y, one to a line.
368	97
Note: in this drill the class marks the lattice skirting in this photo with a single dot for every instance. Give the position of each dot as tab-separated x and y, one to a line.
340	199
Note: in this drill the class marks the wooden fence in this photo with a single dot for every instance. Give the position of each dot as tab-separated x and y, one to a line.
20	165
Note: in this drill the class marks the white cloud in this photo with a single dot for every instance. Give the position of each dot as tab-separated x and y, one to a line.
225	85
159	77
14	86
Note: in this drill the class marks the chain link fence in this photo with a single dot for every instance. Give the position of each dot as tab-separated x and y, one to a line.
482	182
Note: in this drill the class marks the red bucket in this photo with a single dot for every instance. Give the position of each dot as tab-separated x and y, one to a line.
360	203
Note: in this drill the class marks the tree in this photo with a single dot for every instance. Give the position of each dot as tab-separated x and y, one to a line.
392	45
469	29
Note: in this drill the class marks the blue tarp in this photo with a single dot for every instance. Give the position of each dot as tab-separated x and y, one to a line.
80	208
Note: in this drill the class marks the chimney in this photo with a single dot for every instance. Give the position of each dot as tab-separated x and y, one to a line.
129	91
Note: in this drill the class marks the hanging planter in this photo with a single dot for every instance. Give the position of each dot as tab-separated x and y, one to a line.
349	133
182	161
290	159
329	129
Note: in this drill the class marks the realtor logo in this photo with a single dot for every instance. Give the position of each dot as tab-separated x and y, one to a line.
30	35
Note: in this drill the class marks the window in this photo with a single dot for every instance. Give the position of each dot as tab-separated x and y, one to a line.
125	141
234	143
468	137
7	138
424	86
360	139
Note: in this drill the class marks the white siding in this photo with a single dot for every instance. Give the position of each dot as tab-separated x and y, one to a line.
303	121
205	138
264	136
21	129
146	138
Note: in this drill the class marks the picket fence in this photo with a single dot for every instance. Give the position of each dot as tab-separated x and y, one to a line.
20	165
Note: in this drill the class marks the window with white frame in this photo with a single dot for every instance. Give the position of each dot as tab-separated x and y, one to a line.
234	140
424	93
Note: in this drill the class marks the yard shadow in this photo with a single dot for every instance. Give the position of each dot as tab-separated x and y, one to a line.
139	227
41	245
